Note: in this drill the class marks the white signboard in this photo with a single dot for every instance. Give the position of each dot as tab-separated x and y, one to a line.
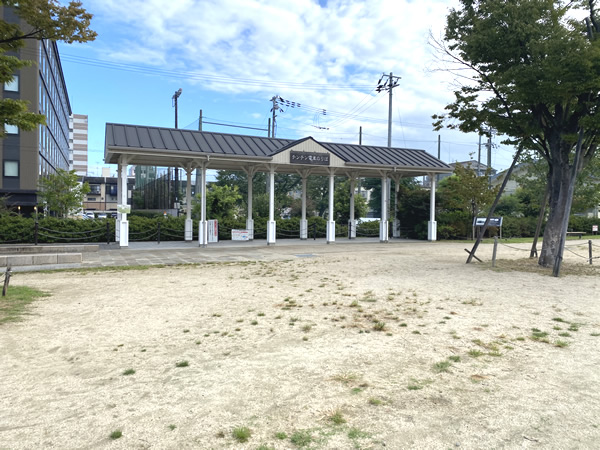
213	231
595	228
240	235
124	209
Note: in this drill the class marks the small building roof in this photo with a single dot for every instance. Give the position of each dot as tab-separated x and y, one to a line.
144	145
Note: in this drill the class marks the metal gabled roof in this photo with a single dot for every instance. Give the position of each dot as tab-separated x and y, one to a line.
180	143
385	156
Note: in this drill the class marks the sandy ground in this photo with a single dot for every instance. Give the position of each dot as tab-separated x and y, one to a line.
280	347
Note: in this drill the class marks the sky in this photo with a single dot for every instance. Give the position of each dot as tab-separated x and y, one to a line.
230	57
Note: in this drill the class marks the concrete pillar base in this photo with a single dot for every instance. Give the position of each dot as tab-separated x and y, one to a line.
383	231
202	234
271	232
189	234
250	228
124	233
432	231
303	229
330	232
352	226
396	229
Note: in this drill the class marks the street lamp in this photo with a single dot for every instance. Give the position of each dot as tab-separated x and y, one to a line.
175	97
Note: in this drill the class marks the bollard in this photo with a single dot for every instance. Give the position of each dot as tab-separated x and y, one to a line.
107	233
35	233
314	231
158	234
494	253
590	250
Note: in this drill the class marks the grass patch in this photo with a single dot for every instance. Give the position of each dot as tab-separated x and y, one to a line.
241	434
182	364
115	434
375	401
442	366
561	344
454	358
281	435
539	336
172	427
337	418
14	306
474	353
301	438
379	326
355	433
129	372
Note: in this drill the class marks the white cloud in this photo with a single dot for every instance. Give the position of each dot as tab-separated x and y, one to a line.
349	42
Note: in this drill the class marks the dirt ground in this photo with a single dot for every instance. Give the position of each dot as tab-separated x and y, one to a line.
369	346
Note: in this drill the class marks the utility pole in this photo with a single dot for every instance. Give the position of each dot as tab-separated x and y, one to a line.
390	83
200	121
360	136
176	190
479	158
489	156
274	110
439	153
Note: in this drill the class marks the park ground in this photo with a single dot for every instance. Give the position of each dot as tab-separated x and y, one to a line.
369	346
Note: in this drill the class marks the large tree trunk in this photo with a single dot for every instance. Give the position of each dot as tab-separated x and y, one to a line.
560	177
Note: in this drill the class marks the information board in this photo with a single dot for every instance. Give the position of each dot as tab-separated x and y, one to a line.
240	235
213	231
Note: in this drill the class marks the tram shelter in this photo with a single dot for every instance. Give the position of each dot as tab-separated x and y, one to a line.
201	150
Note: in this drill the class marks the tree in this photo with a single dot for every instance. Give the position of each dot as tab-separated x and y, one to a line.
222	202
341	207
46	19
61	193
535	78
466	192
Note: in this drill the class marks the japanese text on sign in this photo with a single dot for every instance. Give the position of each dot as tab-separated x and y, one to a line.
320	159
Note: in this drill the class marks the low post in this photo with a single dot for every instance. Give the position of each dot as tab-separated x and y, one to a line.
495	249
315	231
6	281
158	234
107	232
35	233
590	250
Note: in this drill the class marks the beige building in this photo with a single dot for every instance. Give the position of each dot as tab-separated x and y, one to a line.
78	144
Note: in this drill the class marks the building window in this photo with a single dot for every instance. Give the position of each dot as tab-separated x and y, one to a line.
11	168
11	129
12	86
95	189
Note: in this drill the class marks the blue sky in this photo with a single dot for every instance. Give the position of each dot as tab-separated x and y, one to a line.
230	57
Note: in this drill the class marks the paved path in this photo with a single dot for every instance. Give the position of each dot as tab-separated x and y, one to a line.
170	253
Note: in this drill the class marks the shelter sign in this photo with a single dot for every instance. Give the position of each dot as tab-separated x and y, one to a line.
312	158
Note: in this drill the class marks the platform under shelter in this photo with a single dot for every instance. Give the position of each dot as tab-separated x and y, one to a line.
202	150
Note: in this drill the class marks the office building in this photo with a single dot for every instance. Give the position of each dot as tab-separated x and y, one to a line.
27	155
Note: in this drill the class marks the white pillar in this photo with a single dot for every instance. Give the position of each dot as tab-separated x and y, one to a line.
271	226
249	221
330	221
432	225
203	225
303	221
118	221
383	225
189	234
124	224
352	222
396	224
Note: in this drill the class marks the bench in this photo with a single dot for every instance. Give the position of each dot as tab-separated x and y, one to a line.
575	233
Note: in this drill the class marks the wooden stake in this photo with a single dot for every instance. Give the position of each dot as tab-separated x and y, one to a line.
6	281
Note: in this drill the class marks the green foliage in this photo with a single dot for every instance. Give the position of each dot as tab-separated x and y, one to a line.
413	211
222	203
341	207
62	193
47	19
534	77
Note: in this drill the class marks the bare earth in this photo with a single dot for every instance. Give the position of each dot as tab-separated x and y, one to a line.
281	345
